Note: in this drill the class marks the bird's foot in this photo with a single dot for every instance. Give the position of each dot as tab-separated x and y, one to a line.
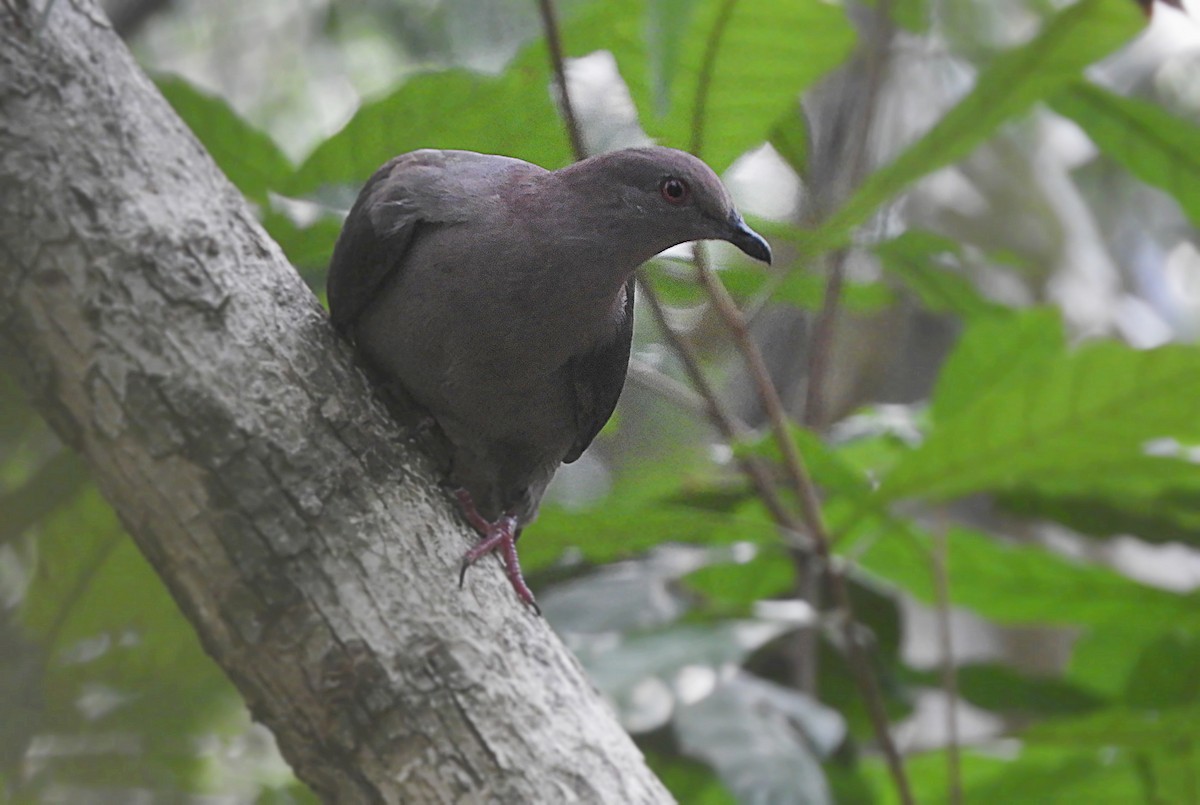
498	537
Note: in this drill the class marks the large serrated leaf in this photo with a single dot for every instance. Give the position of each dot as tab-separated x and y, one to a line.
1083	417
992	354
1156	498
1154	145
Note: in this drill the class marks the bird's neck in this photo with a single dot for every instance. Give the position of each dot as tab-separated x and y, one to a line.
605	222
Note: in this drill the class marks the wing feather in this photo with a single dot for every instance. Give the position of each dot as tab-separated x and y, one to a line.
598	379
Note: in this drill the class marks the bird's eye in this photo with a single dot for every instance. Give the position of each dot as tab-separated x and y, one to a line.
674	191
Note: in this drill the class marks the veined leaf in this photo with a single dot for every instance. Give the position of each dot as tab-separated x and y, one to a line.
1156	498
1154	145
1083	417
992	354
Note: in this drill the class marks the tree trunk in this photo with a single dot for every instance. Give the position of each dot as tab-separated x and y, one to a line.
164	336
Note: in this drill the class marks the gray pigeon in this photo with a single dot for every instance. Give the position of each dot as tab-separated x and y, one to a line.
499	297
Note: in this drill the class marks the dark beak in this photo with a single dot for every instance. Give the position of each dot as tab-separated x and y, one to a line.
748	240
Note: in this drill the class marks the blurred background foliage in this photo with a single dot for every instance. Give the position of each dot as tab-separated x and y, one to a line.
999	394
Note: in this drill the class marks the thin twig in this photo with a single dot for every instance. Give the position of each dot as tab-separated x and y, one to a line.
724	422
941	579
810	513
825	327
824	331
707	65
554	40
821	351
810	510
797	472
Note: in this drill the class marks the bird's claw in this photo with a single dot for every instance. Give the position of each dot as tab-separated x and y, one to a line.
500	536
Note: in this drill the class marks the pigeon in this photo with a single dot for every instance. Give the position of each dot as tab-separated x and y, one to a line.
497	296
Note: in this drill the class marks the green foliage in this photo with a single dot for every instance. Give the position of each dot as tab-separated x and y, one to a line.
741	68
1156	146
1022	411
510	114
1078	36
1026	424
919	260
247	156
118	659
1018	584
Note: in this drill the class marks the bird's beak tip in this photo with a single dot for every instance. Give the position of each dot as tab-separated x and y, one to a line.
749	241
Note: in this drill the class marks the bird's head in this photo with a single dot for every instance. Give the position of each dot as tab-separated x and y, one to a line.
659	197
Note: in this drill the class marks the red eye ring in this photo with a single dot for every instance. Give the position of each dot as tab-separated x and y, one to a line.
674	191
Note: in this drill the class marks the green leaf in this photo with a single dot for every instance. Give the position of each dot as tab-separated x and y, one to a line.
1154	145
103	617
511	114
689	781
790	139
1003	690
828	468
645	508
1016	584
1167	673
804	289
667	27
307	248
249	157
1076	37
770	574
1104	658
1124	727
992	355
742	66
54	484
1036	775
1062	776
916	258
1080	417
1156	498
798	288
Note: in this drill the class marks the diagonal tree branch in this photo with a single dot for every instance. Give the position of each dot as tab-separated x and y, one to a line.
163	335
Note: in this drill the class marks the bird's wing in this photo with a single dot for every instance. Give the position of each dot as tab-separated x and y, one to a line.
412	191
598	378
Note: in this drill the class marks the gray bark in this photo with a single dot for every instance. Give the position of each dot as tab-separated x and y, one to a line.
164	336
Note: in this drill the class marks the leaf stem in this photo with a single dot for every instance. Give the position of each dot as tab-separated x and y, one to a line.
805	489
707	65
941	577
554	41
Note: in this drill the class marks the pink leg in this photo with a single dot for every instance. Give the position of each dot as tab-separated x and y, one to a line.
498	537
473	516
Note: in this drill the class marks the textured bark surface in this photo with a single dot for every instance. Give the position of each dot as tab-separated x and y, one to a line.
161	332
